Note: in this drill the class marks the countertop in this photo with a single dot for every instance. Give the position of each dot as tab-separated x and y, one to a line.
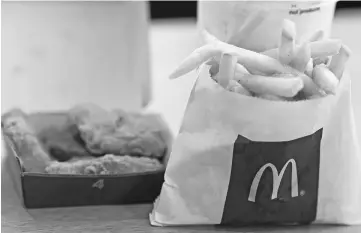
170	42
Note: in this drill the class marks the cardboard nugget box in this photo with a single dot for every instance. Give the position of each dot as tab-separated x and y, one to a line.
42	190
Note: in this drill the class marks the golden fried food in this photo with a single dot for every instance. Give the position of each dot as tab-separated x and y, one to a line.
106	165
33	156
68	142
118	132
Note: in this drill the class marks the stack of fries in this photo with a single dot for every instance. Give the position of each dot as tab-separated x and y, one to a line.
293	71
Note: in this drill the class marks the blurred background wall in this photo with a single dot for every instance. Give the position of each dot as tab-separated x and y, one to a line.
56	54
188	9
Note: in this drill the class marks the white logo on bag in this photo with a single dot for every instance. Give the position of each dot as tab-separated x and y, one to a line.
277	178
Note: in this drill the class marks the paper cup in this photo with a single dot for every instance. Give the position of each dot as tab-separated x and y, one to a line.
261	21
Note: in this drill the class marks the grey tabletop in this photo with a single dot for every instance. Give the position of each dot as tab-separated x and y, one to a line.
131	218
96	219
134	218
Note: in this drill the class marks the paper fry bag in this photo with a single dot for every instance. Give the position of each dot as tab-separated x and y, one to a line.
244	160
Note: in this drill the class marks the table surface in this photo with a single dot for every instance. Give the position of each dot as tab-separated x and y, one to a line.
171	41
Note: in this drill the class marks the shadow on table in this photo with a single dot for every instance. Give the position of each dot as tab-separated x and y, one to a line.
92	213
269	229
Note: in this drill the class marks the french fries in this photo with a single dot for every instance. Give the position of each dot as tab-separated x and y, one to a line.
225	77
325	79
301	58
309	68
321	48
227	68
325	48
240	70
196	58
214	69
236	87
317	96
291	72
273	53
254	62
338	62
285	87
287	43
321	60
309	87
